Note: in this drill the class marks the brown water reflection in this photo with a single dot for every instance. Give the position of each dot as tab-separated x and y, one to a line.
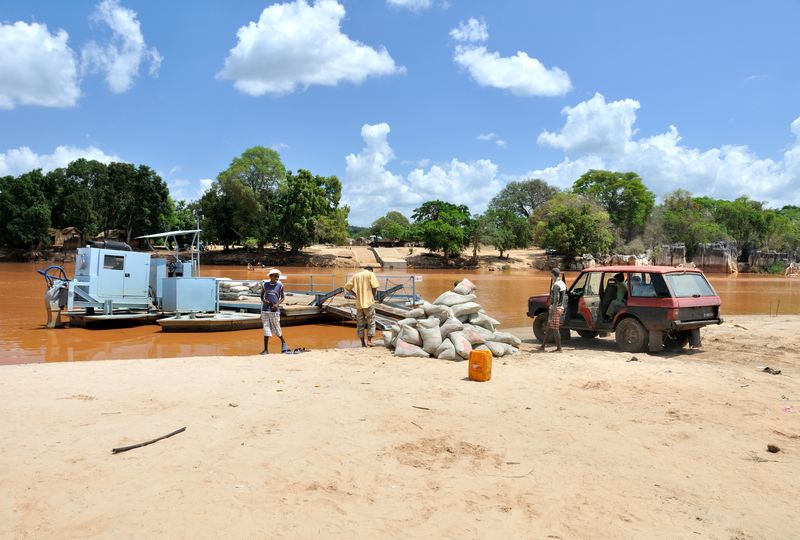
23	338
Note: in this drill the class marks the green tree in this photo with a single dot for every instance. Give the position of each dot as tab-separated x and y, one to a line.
332	228
523	197
308	198
442	226
744	219
624	196
24	212
220	207
392	226
682	219
573	224
506	230
261	171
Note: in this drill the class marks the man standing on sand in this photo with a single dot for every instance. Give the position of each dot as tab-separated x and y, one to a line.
271	300
558	293
364	285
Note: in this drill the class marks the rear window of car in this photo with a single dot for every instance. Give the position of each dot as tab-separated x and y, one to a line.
689	285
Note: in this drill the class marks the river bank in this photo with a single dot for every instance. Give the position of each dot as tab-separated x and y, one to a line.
350	443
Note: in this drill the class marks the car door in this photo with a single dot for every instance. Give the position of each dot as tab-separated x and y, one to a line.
587	291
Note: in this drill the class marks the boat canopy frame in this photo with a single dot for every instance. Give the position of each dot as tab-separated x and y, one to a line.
171	237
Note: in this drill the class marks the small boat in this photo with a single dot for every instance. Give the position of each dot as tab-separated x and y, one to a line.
210	322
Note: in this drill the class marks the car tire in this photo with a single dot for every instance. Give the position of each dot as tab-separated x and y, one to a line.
540	326
587	334
676	342
630	335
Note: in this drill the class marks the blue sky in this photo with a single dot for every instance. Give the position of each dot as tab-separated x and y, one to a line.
411	100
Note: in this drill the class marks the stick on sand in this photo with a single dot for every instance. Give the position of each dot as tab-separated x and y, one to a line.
131	447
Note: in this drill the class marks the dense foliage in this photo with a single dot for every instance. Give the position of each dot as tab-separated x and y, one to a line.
257	202
92	196
443	226
623	195
572	225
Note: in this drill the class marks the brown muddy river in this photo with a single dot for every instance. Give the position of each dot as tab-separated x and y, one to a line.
23	338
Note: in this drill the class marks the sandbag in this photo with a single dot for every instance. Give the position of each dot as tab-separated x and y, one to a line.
473	334
450	325
434	310
505	337
416	313
487	335
497	348
465	287
409	334
429	332
239	288
465	309
446	351
461	344
510	349
406	350
229	284
407	321
387	336
482	319
451	299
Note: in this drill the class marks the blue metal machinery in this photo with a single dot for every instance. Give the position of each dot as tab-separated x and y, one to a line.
108	280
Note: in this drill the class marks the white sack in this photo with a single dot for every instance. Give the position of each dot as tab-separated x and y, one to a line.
409	335
406	350
463	310
465	287
451	298
505	337
429	332
461	344
473	335
416	313
446	351
482	319
497	348
450	325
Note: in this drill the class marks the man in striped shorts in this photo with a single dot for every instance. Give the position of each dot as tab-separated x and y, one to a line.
271	300
558	296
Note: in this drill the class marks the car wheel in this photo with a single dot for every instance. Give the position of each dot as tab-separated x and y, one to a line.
587	334
676	342
630	335
540	326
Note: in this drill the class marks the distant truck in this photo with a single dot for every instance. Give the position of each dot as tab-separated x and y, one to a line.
656	307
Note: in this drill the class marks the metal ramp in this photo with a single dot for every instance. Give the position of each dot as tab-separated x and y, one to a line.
348	312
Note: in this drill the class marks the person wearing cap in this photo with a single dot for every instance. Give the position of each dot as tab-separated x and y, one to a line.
364	285
558	297
271	299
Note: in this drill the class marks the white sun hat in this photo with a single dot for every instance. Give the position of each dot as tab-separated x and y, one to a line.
274	271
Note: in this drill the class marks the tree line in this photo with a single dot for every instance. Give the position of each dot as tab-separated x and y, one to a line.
603	211
257	202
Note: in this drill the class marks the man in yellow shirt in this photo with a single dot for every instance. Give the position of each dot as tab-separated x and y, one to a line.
363	285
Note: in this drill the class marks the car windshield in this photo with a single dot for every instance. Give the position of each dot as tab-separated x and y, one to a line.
689	284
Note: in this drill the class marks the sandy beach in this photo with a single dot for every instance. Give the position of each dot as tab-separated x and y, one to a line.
355	443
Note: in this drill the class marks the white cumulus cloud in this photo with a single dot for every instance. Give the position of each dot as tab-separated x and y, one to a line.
36	67
20	160
297	44
413	5
371	189
595	126
521	74
600	135
120	58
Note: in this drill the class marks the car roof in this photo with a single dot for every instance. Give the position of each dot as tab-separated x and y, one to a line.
637	269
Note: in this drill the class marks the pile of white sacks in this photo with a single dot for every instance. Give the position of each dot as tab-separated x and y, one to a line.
449	328
237	290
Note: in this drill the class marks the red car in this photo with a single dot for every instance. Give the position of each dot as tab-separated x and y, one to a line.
647	307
